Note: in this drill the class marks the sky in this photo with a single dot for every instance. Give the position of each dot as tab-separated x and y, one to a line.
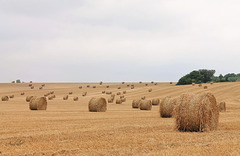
117	40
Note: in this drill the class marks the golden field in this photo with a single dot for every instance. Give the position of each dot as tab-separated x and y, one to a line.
68	128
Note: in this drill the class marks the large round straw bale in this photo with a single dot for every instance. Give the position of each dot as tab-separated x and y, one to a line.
155	101
167	106
75	98
70	93
135	103
123	99
32	87
5	98
97	105
28	98
124	92
118	101
110	100
84	93
22	93
145	105
150	90
65	97
222	106
38	103
11	96
196	113
205	87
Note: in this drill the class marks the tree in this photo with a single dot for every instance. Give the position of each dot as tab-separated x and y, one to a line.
208	75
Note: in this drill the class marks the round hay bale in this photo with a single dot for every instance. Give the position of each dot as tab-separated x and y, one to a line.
124	92
30	82
145	105
107	86
65	97
143	97
193	84
94	86
167	106
28	98
135	103
123	99
13	81
97	105
205	87
211	83
155	101
88	86
22	93
132	87
80	87
5	98
110	100
75	98
50	98
11	96
118	101
222	106
108	92
118	93
122	96
119	88
103	91
123	82
32	87
52	92
40	87
70	93
43	85
84	93
200	85
150	90
146	84
196	113
38	103
171	83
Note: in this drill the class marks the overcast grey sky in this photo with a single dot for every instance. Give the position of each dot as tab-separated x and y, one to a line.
117	40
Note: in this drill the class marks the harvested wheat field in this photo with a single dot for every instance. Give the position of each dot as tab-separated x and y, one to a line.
68	128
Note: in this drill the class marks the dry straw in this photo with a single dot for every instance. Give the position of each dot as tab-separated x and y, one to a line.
65	97
155	101
97	105
38	103
80	87
5	98
28	98
123	99
119	88
70	93
135	103
22	93
75	98
122	96
110	100
167	106
145	105
125	92
32	87
205	87
84	93
118	93
196	113
103	92
150	90
118	101
222	106
11	96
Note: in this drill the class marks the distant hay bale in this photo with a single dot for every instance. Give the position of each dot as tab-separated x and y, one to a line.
94	86
50	98
40	87
108	92
88	86
155	101
146	84
123	99
38	103
118	93
80	87
205	87
45	95
103	91
118	101
143	97
22	93
171	83
166	106
97	105
75	98
150	90
145	105
13	81
11	96
193	84
155	84
124	92
211	83
70	93
65	97
52	92
222	106
29	98
107	86
123	82
84	93
5	98
32	87
132	87
196	113
200	85
43	85
30	82
122	96
110	100
135	103
119	88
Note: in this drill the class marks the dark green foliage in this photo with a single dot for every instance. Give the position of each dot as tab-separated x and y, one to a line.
18	81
